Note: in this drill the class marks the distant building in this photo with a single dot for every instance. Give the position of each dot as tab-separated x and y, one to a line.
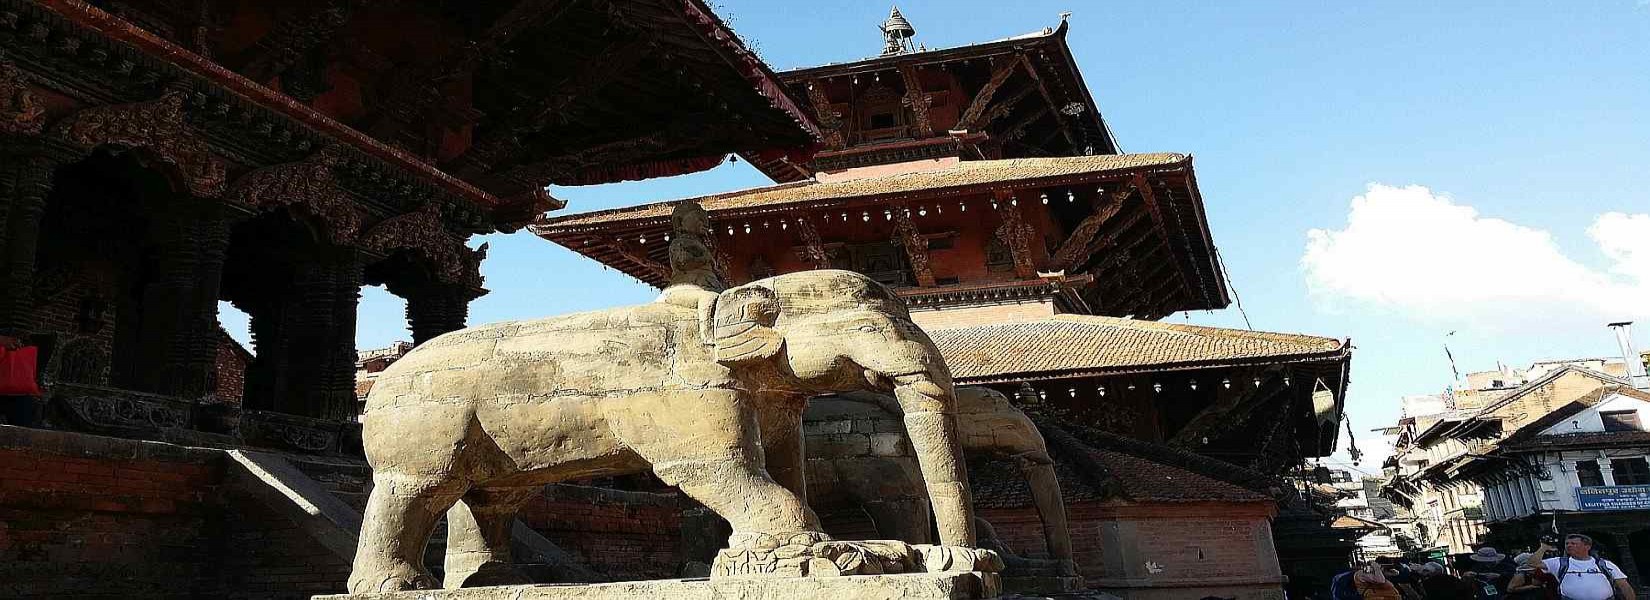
1430	449
369	363
1580	468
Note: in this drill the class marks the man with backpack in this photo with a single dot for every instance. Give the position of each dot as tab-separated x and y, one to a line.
1582	576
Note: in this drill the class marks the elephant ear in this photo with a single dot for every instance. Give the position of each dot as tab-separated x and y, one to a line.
743	331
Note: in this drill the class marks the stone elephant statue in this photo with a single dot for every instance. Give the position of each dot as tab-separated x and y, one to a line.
708	396
856	457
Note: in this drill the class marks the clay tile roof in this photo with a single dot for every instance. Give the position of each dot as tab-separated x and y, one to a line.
962	175
1095	344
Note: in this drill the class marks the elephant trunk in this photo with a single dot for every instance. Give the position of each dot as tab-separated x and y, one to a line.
929	405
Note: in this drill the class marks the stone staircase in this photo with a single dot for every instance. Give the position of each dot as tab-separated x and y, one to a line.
325	496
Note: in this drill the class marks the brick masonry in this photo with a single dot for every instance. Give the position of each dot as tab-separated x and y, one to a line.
623	535
91	517
1160	550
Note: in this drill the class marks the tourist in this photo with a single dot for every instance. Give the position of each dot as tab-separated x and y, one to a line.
1583	576
1491	571
1532	581
1370	580
1440	585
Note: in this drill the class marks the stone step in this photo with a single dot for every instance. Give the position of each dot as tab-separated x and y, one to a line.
911	586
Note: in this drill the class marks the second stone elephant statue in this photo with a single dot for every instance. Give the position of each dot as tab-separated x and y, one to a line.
857	459
708	396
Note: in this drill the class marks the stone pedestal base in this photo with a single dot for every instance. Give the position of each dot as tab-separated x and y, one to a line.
1042	585
912	586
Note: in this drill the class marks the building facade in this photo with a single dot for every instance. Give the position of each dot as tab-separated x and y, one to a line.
1582	468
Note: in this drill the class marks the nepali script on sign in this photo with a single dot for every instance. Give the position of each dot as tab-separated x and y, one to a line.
1618	497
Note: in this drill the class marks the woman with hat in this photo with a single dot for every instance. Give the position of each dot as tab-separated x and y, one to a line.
1491	571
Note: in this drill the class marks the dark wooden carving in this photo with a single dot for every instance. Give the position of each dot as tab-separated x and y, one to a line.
1076	245
637	253
916	246
982	99
812	250
916	100
20	111
422	231
830	123
1016	234
309	185
157	126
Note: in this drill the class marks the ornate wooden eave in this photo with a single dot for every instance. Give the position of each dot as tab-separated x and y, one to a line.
96	59
269	113
1038	64
1147	259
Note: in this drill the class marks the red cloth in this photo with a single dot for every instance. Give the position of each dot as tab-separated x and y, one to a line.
17	371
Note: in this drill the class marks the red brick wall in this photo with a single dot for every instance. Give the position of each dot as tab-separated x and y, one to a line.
1204	545
624	535
85	516
231	366
276	559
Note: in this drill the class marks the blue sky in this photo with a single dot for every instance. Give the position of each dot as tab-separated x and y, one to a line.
1524	121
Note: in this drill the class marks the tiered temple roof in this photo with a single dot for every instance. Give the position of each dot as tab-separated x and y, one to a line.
1086	345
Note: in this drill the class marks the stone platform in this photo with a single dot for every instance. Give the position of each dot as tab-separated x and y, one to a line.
913	586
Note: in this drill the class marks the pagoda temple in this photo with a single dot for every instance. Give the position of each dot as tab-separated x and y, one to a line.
164	156
983	186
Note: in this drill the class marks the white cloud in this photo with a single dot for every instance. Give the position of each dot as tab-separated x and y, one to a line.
1412	251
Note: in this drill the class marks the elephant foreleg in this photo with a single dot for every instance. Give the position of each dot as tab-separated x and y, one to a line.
478	538
781	422
1045	491
401	513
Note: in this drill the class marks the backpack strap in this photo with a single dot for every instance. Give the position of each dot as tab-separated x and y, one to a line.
1563	567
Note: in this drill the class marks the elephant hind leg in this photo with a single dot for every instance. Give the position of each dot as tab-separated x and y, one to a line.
401	513
478	537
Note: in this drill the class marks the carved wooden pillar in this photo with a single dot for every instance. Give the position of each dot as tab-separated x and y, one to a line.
916	246
25	182
336	394
1016	234
321	344
434	309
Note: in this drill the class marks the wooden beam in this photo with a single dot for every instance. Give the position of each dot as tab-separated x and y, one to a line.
1016	234
830	123
409	90
636	254
592	75
1017	130
982	99
1213	419
1077	243
916	246
1110	239
1042	86
1162	225
1001	109
812	250
291	38
916	100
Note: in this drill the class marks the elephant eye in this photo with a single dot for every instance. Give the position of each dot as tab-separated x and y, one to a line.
867	328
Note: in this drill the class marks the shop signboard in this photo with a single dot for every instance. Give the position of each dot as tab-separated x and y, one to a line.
1613	497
